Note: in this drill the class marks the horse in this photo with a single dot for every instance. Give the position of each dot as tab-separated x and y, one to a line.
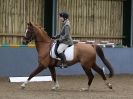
85	54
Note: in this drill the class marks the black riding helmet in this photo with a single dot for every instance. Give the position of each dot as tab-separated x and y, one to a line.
64	15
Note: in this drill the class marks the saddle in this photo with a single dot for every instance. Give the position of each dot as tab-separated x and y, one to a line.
69	52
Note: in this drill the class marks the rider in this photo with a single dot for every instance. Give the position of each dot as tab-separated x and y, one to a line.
64	38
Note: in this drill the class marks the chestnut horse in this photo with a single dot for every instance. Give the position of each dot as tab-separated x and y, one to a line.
83	53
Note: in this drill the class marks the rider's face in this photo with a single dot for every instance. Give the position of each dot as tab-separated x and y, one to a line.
61	19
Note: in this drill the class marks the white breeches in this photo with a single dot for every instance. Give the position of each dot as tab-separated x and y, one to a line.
61	47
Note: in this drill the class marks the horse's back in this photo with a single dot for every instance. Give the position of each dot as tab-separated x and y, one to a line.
88	48
85	52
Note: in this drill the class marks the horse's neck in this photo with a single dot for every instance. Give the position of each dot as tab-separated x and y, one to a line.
42	48
42	42
42	36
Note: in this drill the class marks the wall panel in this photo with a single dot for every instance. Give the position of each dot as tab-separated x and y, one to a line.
14	14
94	19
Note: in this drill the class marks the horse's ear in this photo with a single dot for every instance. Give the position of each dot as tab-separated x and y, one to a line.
29	24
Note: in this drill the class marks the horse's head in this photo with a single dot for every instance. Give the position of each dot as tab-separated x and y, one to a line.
35	32
29	34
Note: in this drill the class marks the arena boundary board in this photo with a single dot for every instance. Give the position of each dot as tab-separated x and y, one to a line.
34	79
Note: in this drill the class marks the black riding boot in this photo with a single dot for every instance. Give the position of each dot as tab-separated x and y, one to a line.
63	60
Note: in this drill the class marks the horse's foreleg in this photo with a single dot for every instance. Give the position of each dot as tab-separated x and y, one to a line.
53	74
100	71
34	73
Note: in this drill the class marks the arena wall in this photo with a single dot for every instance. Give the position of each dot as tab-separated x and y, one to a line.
22	60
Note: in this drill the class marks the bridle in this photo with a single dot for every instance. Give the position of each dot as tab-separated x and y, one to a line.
32	37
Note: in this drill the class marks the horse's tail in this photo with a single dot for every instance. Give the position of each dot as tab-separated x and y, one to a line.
105	61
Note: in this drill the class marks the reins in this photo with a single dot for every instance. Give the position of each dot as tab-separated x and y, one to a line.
42	41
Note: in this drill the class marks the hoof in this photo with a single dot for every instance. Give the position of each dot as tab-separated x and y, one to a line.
109	86
84	89
54	88
22	86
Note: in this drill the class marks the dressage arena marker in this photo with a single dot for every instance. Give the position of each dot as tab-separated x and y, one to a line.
34	79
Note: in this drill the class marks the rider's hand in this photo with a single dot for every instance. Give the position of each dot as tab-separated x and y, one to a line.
56	37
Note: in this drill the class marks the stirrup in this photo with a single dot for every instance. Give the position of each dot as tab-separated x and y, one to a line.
63	66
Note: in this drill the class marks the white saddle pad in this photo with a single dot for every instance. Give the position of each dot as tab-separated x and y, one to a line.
69	53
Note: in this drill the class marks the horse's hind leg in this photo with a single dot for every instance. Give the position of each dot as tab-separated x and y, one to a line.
100	71
34	73
90	78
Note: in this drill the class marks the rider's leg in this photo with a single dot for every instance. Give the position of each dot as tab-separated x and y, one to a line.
60	50
55	50
63	58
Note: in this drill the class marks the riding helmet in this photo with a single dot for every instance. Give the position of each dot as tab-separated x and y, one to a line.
64	15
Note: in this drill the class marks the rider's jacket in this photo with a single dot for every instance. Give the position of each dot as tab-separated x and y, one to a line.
65	33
